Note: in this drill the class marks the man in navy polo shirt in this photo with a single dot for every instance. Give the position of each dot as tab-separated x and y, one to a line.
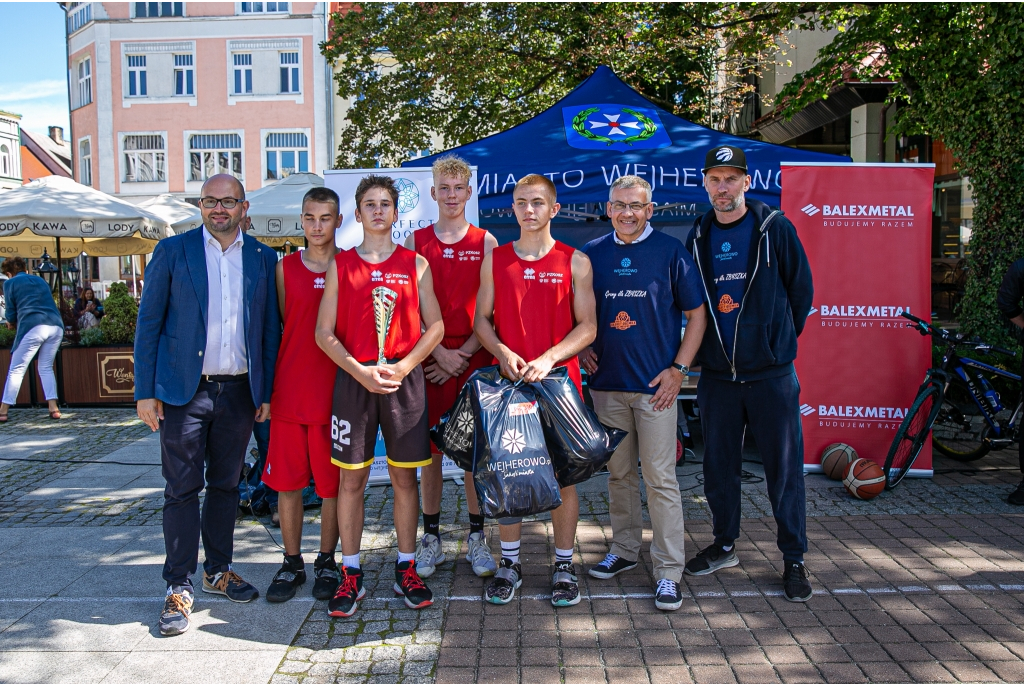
645	281
758	283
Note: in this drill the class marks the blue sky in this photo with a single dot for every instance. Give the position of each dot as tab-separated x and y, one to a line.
33	78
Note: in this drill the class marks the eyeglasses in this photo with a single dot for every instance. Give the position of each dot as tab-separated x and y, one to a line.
635	207
225	202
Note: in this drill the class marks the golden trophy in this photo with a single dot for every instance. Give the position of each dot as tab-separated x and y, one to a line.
383	309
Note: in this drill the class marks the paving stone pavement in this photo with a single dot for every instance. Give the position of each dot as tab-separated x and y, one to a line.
925	583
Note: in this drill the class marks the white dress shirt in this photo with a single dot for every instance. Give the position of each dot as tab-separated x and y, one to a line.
648	229
225	321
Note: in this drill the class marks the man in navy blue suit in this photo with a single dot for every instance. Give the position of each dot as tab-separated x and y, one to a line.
205	347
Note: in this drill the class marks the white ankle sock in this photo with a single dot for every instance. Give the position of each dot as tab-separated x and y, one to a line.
510	551
350	561
403	557
563	555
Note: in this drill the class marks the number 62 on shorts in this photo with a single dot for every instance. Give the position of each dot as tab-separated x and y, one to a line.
340	429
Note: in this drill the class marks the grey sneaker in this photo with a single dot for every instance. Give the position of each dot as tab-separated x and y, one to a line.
506	581
710	559
177	608
429	555
478	554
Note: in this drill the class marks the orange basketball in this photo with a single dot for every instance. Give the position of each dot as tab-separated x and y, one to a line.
864	479
836	458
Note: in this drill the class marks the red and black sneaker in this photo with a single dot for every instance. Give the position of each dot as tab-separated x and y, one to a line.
408	584
346	600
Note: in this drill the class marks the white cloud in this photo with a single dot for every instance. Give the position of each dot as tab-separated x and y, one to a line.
38	115
33	91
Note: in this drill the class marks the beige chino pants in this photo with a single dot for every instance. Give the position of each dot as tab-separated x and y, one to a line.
652	440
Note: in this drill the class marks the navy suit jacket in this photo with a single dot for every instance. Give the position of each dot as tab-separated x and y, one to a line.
170	337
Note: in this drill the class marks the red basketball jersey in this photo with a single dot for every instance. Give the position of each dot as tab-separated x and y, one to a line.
356	327
456	272
533	303
304	375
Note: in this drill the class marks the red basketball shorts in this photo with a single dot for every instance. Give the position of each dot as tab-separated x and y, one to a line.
298	451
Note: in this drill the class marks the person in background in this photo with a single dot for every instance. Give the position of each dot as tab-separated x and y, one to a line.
454	248
757	281
88	310
205	347
645	282
1008	300
30	308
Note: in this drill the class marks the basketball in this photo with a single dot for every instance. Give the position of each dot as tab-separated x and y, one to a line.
864	479
835	459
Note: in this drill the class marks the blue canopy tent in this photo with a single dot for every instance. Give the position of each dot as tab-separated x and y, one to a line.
601	130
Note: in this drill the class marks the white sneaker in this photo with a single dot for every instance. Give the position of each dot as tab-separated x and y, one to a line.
429	555
478	554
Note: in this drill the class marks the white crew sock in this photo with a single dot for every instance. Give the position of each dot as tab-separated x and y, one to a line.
563	555
510	551
350	561
403	557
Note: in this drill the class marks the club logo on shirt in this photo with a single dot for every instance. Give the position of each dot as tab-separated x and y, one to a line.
727	252
513	441
625	269
551	277
727	304
448	253
318	282
625	262
529	275
622	322
469	256
726	247
397	278
376	275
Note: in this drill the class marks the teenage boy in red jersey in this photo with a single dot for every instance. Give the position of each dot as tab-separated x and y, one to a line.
300	434
368	394
536	310
454	248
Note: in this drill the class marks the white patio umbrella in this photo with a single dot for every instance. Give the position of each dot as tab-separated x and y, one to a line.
276	209
181	215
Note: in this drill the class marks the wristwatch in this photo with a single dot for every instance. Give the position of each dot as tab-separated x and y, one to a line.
681	368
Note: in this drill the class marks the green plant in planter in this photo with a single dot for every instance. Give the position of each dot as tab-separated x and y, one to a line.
119	315
7	336
91	337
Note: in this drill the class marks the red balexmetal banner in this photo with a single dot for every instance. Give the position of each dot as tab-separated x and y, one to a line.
867	232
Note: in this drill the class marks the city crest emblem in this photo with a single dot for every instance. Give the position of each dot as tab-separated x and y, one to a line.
621	127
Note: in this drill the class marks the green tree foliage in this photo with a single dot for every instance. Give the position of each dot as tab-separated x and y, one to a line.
959	73
119	315
466	70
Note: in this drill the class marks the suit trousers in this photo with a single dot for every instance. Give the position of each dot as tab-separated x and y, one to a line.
203	443
770	408
652	441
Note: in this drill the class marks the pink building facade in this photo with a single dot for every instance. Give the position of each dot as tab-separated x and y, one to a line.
166	94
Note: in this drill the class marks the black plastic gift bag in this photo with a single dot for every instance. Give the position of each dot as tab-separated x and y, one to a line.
512	472
454	433
579	444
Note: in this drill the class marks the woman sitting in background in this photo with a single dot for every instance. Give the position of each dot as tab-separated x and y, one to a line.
88	310
31	308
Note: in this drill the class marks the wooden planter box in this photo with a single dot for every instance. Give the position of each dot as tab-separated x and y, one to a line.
98	375
31	378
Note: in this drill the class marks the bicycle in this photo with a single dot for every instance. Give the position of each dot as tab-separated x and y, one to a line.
958	404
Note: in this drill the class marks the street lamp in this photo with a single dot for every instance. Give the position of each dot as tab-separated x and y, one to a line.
47	269
73	274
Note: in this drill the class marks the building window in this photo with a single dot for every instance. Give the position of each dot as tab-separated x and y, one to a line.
287	153
159	9
264	7
85	162
243	73
289	72
214	153
6	167
144	159
137	75
79	14
85	82
184	75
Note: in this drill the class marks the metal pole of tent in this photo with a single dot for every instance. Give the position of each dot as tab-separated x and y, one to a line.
135	280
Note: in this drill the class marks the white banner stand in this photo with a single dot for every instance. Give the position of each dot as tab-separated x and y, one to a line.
379	467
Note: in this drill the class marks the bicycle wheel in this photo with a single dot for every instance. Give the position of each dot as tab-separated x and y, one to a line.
960	429
911	435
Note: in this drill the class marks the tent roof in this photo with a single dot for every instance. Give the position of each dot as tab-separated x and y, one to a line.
583	164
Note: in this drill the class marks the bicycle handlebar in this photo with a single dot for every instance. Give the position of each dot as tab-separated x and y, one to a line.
953	338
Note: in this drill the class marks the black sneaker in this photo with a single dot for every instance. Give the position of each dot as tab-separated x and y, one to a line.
565	588
612	566
287	580
667	596
328	576
177	608
1017	496
408	585
231	585
346	598
710	559
507	580
795	584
